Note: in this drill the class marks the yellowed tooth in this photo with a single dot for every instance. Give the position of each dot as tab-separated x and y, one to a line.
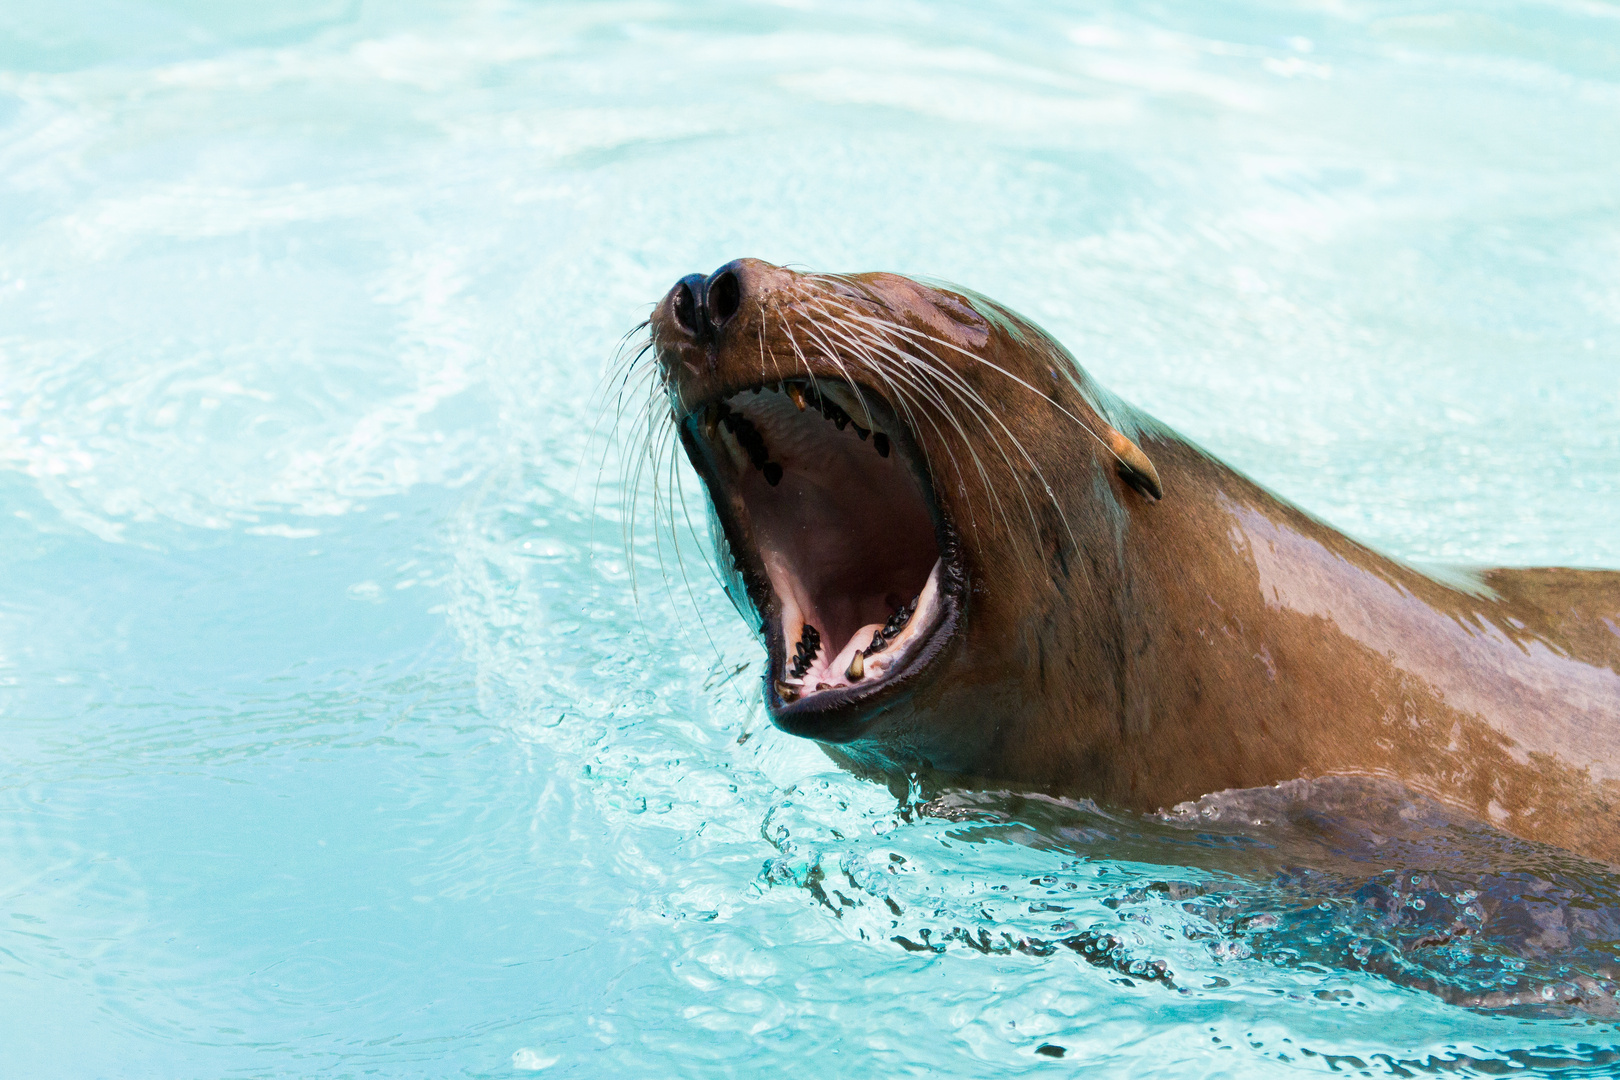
797	395
711	423
857	669
785	692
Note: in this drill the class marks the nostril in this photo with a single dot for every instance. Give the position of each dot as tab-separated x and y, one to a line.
686	305
725	295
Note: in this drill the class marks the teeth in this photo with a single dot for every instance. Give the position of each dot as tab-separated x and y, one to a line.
751	442
805	654
844	399
747	436
871	654
836	404
893	628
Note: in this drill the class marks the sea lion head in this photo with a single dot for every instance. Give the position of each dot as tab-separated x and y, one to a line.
917	495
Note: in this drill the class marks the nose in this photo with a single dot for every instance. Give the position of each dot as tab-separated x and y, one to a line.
703	306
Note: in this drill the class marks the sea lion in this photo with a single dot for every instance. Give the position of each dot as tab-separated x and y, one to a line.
964	556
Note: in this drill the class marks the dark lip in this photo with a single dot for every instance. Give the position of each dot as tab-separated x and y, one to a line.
842	715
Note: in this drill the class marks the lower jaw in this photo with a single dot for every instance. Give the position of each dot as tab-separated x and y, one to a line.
838	727
849	720
853	716
868	658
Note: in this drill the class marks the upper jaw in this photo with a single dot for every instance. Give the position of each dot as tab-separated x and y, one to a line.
833	524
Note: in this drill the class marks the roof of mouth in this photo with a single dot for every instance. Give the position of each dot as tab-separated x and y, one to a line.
840	519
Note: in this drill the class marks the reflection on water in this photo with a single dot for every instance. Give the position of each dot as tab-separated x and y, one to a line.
337	735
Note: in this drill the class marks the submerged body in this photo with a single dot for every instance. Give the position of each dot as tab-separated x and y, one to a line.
967	558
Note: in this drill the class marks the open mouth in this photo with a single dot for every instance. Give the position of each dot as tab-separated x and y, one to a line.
830	514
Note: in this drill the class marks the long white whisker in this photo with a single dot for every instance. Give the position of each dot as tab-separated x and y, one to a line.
1026	385
871	362
1017	443
952	383
676	494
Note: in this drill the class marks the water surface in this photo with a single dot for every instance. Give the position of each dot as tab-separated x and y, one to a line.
339	736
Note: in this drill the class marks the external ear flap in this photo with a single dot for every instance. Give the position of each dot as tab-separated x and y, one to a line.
1134	467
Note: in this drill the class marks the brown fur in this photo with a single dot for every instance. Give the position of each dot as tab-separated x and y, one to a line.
1144	652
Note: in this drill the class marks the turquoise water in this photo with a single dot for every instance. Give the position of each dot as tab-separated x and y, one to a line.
338	741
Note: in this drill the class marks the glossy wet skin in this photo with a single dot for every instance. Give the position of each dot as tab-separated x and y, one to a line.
1089	639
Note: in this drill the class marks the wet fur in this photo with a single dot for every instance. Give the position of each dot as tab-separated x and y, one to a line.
1145	652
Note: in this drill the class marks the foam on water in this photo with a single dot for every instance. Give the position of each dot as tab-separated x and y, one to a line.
340	737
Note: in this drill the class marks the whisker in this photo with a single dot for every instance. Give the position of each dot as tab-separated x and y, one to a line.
1016	442
951	382
873	365
676	495
1087	428
630	502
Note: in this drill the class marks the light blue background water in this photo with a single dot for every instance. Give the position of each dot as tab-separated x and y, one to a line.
331	740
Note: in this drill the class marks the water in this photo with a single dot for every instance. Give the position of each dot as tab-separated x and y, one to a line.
336	738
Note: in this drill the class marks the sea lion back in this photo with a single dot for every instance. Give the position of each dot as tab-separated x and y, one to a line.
1578	610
